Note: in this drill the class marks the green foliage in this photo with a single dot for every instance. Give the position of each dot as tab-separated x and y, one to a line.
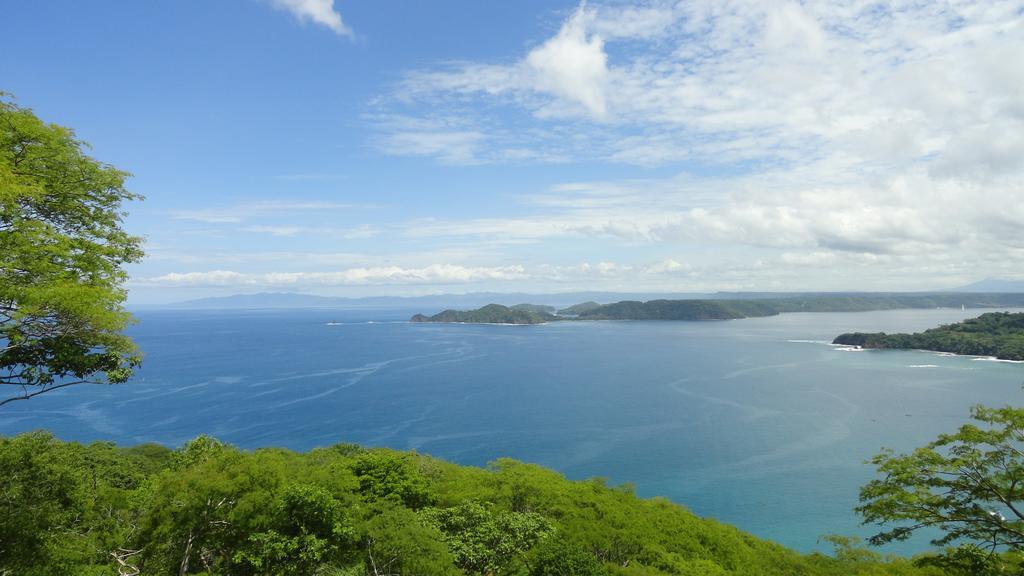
999	334
580	308
727	309
390	475
722	309
493	314
538	308
209	508
196	451
559	558
483	540
852	558
680	310
62	252
306	533
397	543
969	485
973	560
39	491
875	301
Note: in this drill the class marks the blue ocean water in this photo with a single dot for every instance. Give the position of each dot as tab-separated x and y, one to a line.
757	422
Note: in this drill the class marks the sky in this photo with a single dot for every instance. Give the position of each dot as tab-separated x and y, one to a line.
387	147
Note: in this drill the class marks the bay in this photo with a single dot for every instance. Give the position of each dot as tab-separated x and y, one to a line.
758	422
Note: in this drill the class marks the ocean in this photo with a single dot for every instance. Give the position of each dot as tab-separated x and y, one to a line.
757	422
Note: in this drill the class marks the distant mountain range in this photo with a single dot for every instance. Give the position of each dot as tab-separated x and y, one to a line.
993	285
438	302
432	302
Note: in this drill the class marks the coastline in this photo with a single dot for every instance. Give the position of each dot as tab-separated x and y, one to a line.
972	357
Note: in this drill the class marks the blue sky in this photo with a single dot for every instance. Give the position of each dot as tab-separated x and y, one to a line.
361	148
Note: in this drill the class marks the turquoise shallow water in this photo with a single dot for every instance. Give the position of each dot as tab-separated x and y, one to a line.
756	422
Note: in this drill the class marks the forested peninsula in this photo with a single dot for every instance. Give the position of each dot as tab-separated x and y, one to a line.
492	314
997	334
721	309
210	508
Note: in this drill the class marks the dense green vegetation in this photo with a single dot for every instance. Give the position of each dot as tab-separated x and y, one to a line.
868	302
580	308
999	334
966	488
62	252
681	310
539	308
209	508
490	314
722	309
727	309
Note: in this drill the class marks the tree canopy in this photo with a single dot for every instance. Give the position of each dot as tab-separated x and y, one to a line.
999	334
209	508
965	488
490	314
62	257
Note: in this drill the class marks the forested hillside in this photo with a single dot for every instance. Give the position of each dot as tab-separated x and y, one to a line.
680	310
999	334
492	314
722	309
209	508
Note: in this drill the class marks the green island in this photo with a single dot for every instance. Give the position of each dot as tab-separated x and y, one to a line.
720	309
209	508
997	334
680	310
538	308
491	314
580	308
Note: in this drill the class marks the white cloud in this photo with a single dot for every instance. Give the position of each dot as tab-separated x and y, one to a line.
449	147
356	233
651	21
817	145
379	275
573	65
246	210
317	11
220	257
275	230
812	259
211	278
738	81
810	217
668	266
583	272
207	216
883	136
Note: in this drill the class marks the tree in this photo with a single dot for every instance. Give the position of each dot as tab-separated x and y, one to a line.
397	544
556	557
484	540
383	474
969	485
307	532
62	252
47	479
